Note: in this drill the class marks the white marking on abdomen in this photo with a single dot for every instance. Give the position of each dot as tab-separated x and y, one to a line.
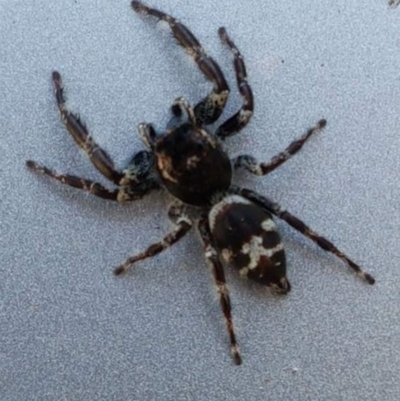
268	225
229	200
255	250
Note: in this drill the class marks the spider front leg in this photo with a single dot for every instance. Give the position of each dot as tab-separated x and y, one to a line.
298	225
99	157
239	120
249	163
182	225
210	108
77	182
211	255
135	183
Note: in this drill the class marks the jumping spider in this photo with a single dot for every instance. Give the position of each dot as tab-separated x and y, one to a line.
235	224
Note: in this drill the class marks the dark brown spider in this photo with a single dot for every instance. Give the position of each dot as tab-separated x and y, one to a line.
235	223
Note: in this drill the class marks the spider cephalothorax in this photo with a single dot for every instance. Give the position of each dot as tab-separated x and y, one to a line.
188	161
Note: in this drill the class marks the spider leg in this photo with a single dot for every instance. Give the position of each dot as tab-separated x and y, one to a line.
99	157
239	120
74	181
298	225
123	194
210	108
249	163
222	290
182	226
134	182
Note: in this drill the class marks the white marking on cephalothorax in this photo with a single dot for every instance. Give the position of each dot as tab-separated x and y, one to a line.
244	271
255	249
229	200
164	164
192	162
268	225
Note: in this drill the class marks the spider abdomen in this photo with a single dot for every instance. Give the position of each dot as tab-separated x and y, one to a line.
246	237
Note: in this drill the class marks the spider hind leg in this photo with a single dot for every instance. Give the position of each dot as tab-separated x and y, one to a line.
211	255
298	225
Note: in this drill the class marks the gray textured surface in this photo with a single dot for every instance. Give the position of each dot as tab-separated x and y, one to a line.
71	331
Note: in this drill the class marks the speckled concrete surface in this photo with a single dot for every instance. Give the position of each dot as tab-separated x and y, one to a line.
71	331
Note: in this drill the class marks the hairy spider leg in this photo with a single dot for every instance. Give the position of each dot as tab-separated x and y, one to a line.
122	194
298	225
212	258
251	164
99	157
182	226
210	108
90	186
239	120
134	181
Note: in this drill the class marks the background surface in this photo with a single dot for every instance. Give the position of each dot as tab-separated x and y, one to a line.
71	331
